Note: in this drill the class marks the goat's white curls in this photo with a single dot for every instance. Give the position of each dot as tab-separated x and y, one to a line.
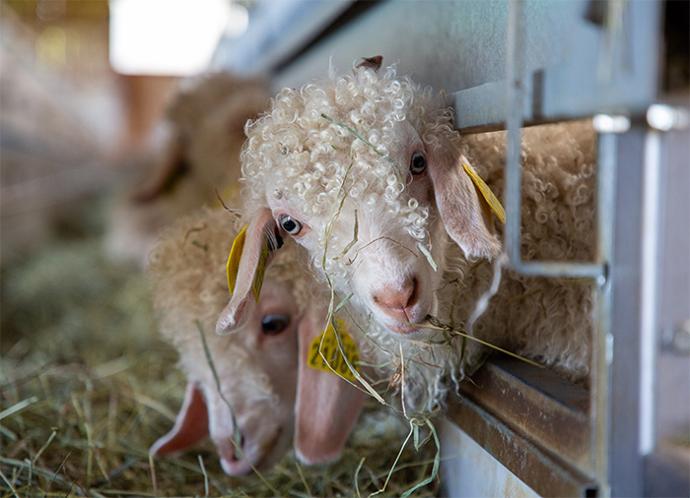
328	138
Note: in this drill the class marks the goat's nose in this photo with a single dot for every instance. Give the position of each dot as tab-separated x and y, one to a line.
393	300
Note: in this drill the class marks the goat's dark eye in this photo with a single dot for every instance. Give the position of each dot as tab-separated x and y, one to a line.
417	163
289	224
274	324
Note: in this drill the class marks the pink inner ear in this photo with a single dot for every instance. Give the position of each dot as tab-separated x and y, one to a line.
326	408
460	208
190	427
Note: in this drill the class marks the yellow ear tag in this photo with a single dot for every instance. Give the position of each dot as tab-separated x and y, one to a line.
233	264
486	192
329	348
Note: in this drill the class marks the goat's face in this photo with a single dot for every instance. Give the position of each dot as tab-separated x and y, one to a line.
372	241
249	416
261	375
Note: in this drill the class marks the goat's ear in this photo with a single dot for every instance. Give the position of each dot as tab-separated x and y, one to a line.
167	173
327	407
190	427
251	253
371	62
466	217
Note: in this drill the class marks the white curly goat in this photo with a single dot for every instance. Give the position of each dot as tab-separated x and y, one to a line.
363	171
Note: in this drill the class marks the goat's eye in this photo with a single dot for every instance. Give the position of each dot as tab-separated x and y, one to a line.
417	163
274	324
289	224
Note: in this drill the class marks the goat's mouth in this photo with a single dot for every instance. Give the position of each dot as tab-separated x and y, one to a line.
405	328
268	449
258	457
407	321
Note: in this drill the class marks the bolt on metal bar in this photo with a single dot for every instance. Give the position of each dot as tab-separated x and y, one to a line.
515	69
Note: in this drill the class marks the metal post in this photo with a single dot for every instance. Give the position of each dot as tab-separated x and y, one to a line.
515	94
515	77
602	340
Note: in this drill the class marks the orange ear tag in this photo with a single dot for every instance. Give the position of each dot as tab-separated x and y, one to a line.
233	264
484	189
328	343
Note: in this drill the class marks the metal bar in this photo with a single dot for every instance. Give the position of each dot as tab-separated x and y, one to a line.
538	404
516	98
557	269
666	469
546	474
622	395
649	289
602	340
514	91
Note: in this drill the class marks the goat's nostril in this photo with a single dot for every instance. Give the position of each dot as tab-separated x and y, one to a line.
414	293
397	298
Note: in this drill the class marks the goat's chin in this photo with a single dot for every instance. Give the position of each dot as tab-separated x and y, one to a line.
405	329
276	450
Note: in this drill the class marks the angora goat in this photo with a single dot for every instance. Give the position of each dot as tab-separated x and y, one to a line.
206	131
258	367
364	172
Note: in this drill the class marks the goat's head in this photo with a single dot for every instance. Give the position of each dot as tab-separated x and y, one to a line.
363	171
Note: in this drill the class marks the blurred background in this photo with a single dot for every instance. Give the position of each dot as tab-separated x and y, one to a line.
84	85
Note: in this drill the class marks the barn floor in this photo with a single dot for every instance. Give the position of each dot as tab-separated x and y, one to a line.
86	386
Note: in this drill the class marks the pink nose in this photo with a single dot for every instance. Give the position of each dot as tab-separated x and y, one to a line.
394	301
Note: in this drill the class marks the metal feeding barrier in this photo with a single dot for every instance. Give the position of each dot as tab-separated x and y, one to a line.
598	408
616	464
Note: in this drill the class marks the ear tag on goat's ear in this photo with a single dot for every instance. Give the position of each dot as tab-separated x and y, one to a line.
329	347
233	264
484	189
